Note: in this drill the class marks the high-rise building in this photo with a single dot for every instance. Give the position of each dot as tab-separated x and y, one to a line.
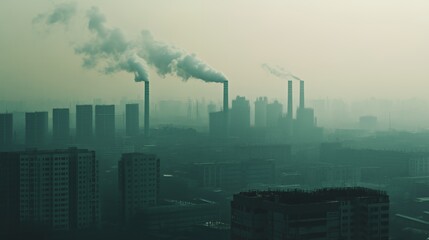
6	130
132	119
274	113
138	182
36	129
261	112
239	116
218	124
60	125
57	189
105	124
84	124
335	213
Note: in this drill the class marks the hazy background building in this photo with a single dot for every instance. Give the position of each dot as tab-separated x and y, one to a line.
60	126
261	112
132	119
36	129
84	124
105	124
239	116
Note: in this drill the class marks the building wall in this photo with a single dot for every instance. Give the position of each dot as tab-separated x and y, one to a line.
84	123
340	214
6	130
58	189
139	178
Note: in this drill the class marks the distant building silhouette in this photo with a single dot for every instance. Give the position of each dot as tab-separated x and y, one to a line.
60	125
84	124
336	213
105	124
239	116
56	190
368	122
218	124
36	129
274	114
132	119
261	112
6	130
139	178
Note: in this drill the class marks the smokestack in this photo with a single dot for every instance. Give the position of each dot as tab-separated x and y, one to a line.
225	97
301	94
146	108
289	100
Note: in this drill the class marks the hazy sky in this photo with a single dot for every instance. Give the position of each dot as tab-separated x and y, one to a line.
348	49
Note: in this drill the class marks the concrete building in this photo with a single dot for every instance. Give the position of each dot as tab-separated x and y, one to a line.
56	190
218	124
173	215
6	130
368	122
139	178
233	175
84	124
334	213
36	129
239	116
274	114
105	124
132	119
60	126
261	112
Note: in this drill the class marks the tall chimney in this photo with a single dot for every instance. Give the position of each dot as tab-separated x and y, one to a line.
225	97
301	94
289	100
146	108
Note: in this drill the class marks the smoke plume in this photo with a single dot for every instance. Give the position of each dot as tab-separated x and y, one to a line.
109	47
280	72
110	51
171	60
61	15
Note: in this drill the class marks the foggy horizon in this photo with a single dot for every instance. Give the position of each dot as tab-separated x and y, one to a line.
353	51
214	120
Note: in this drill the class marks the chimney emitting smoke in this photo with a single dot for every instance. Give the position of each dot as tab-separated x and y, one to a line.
301	94
146	108
289	100
225	97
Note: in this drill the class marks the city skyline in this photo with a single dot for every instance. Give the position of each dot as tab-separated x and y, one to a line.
363	49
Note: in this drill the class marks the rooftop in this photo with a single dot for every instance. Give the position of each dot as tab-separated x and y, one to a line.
298	196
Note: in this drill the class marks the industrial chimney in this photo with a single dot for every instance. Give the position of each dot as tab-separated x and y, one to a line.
301	94
225	97
146	108
289	100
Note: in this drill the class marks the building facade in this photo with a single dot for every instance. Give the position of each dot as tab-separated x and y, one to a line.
56	189
335	213
138	182
6	130
132	119
36	129
84	124
105	124
60	125
261	112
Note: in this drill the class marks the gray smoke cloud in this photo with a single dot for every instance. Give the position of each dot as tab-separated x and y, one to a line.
61	15
111	48
280	72
112	52
168	59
